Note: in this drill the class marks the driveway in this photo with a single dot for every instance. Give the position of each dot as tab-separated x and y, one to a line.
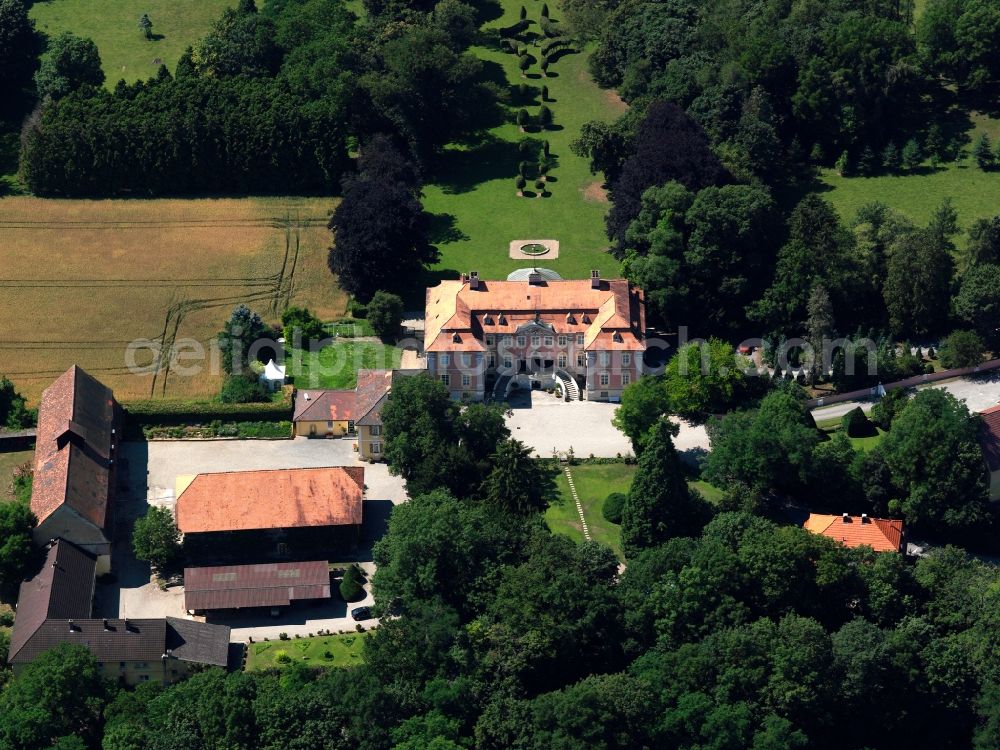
546	423
979	392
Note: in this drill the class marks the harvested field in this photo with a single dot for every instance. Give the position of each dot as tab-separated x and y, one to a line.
80	280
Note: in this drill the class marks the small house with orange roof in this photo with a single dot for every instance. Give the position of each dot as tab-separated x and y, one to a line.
586	334
270	514
337	413
989	440
881	534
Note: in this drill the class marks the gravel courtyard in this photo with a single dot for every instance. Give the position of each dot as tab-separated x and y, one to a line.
547	423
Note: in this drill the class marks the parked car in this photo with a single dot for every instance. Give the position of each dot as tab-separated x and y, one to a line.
361	613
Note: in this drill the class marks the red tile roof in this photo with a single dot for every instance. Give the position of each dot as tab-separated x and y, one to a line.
75	421
273	499
262	585
325	406
456	315
881	534
989	437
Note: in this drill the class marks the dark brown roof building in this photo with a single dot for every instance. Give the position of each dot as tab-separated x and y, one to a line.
72	494
262	585
55	607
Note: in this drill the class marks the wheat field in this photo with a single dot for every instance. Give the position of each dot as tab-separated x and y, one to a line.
81	279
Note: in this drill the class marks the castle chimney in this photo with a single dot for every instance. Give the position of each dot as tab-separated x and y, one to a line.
847	518
595	279
106	626
473	280
864	518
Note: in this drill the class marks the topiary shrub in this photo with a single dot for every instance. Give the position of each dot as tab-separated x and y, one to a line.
540	187
544	116
520	182
613	506
857	425
351	588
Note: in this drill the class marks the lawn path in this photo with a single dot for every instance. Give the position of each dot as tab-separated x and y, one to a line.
579	505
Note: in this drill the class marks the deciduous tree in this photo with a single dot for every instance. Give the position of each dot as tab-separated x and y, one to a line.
156	540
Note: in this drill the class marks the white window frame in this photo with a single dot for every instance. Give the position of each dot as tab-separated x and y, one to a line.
605	380
581	359
579	339
626	359
377	448
508	363
376	430
466	381
605	359
547	341
445	360
508	340
536	339
521	340
489	339
626	378
563	340
561	361
446	378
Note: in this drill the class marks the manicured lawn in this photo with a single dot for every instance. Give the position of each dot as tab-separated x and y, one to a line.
473	196
337	366
321	651
972	190
594	482
8	463
864	444
114	27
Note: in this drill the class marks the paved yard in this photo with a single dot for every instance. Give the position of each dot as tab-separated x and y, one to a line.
164	460
547	423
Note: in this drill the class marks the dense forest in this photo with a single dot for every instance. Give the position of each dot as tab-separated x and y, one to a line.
728	628
268	101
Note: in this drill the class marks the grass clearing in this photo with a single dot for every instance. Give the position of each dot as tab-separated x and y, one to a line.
594	482
972	190
9	461
473	197
337	366
321	651
83	278
114	27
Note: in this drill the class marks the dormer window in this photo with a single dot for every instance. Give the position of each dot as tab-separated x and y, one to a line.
570	319
503	319
456	339
487	319
586	318
617	337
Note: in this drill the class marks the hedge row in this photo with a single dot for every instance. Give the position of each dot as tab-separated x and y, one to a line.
215	429
517	28
151	413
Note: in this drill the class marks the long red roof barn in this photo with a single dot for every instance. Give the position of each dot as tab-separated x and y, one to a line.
273	499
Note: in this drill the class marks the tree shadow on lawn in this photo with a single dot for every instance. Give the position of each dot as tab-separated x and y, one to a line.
444	229
487	11
458	171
